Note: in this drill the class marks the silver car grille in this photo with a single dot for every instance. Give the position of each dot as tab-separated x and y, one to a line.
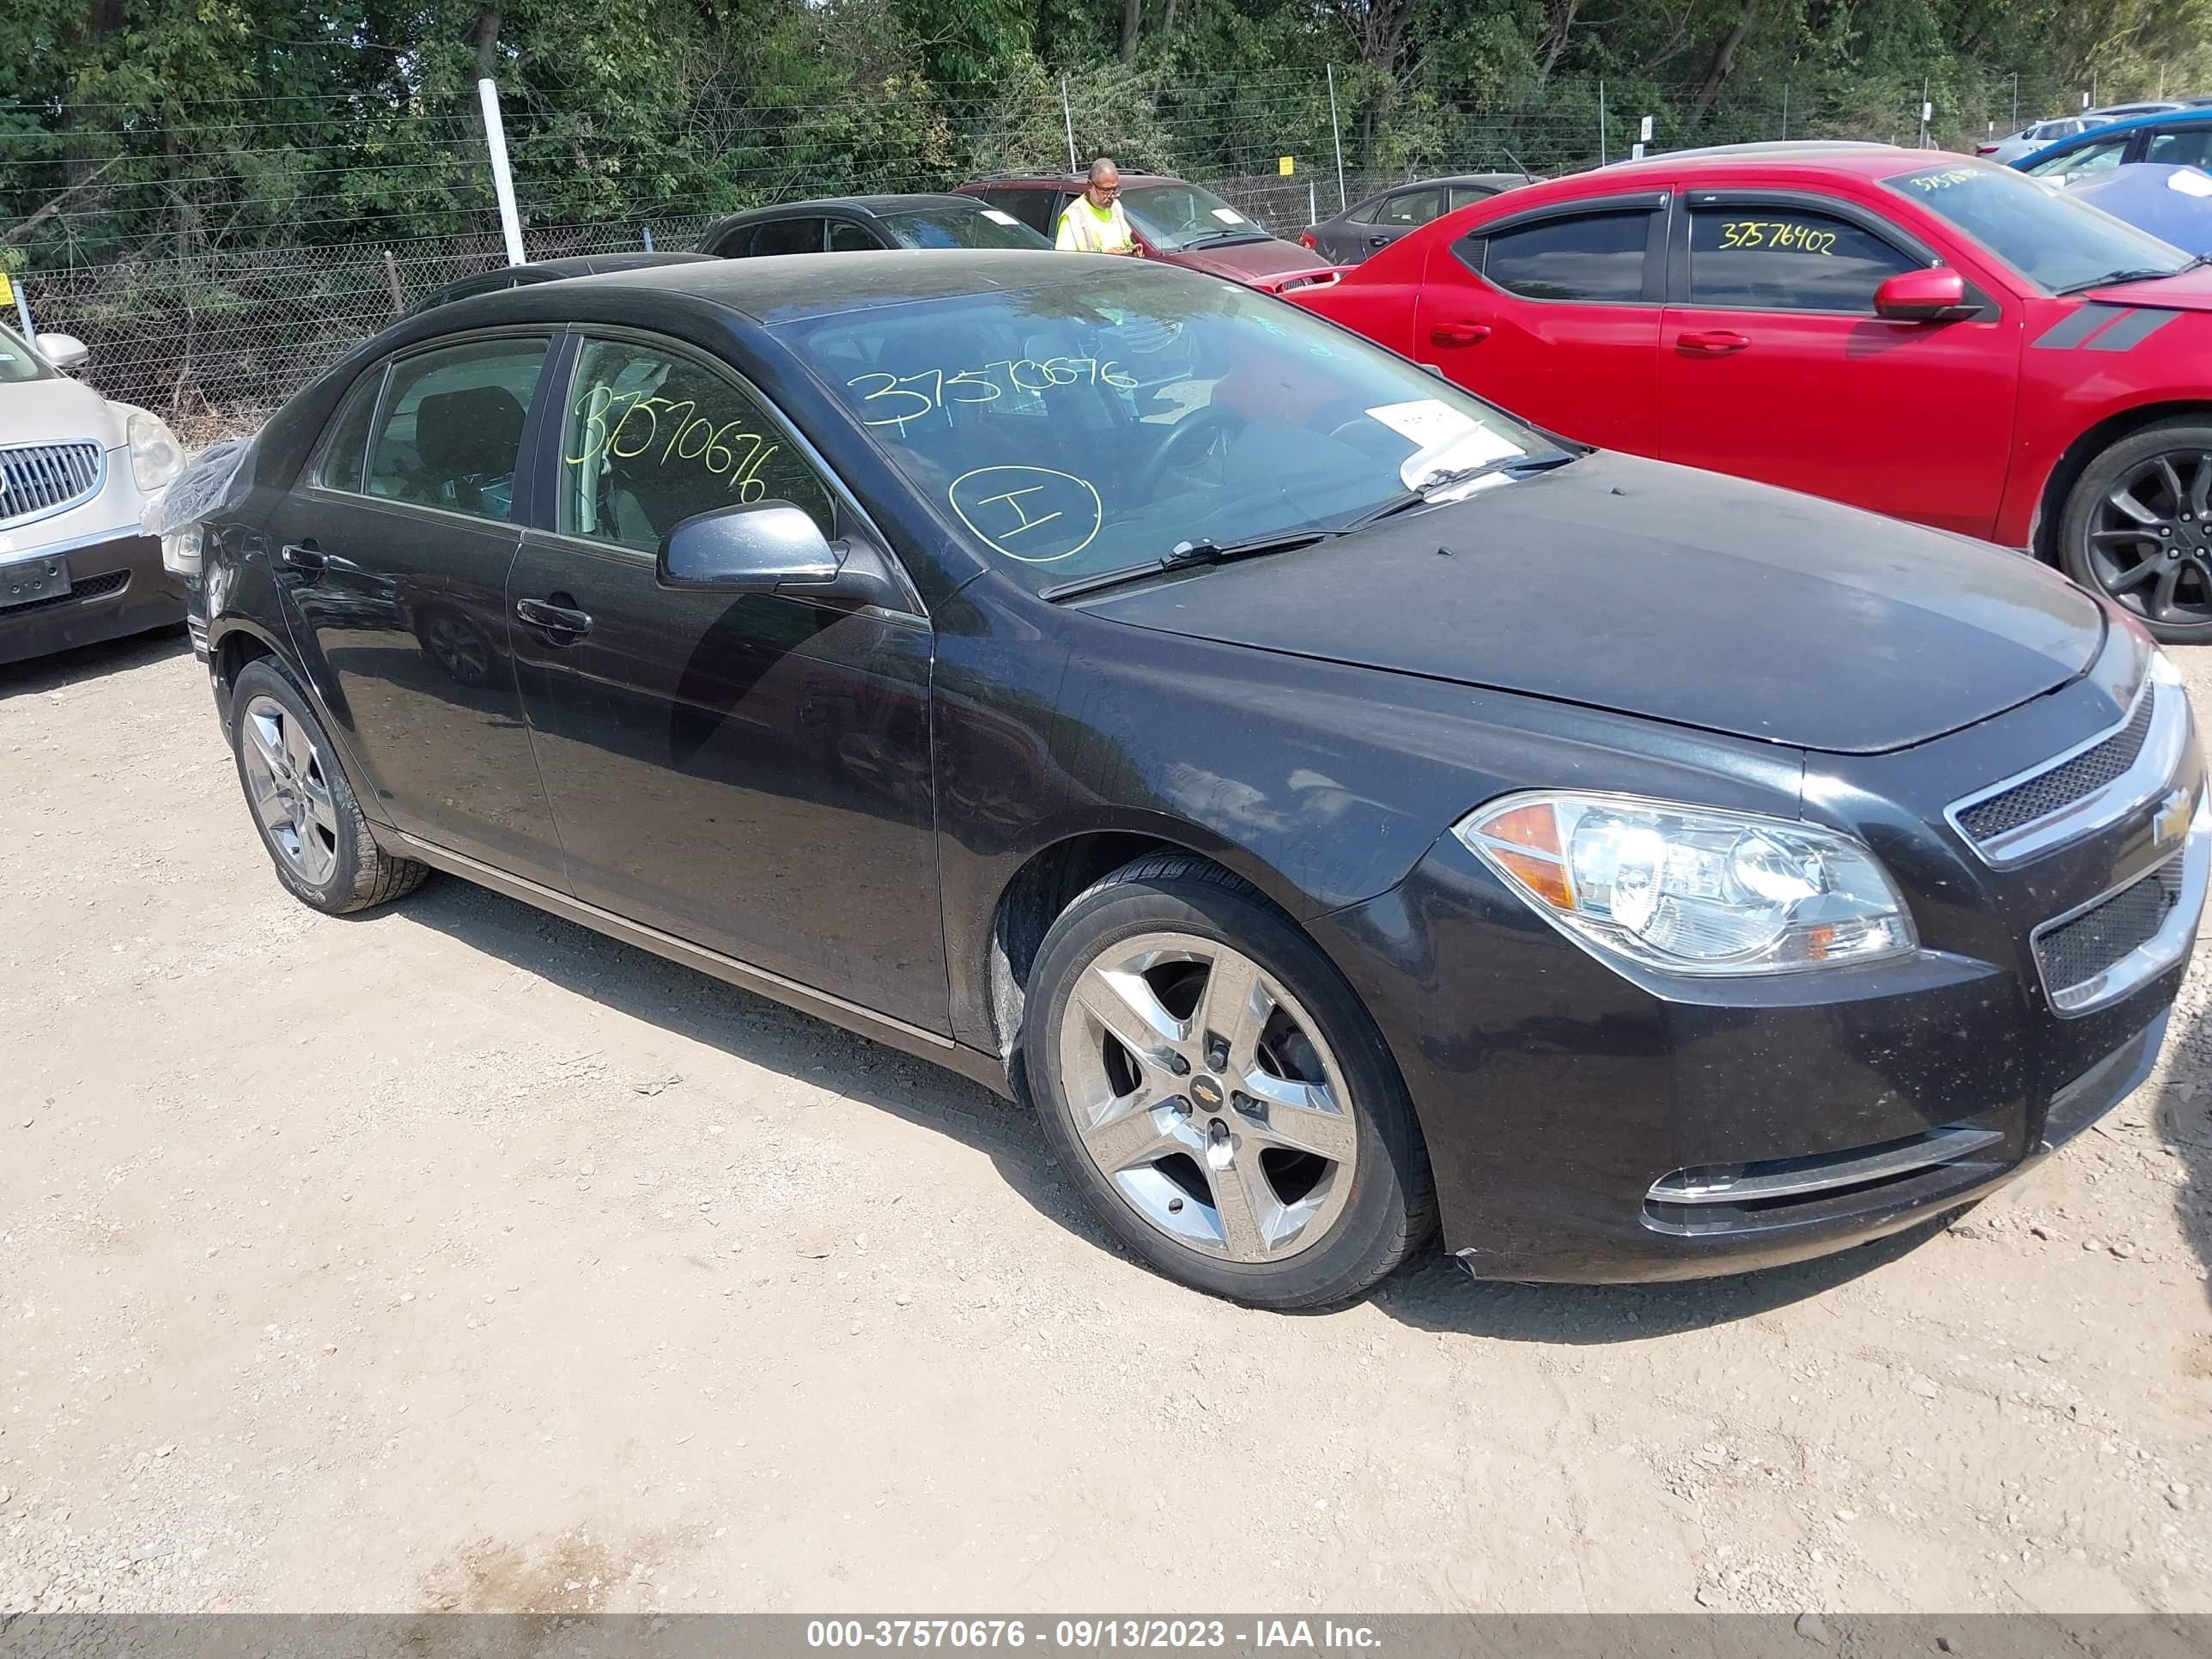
37	479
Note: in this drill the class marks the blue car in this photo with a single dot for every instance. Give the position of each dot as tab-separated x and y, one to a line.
2177	137
2172	203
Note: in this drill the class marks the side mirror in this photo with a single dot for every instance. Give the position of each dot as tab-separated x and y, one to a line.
63	351
772	547
754	548
1933	296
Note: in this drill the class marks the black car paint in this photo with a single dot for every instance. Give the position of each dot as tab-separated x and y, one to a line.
1343	241
1552	1088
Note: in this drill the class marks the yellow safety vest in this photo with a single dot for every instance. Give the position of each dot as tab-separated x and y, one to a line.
1083	229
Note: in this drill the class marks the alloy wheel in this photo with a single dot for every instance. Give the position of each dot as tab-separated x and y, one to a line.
2150	539
1207	1098
459	648
290	789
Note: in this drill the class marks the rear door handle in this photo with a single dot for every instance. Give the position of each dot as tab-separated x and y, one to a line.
1712	342
554	619
1459	333
303	557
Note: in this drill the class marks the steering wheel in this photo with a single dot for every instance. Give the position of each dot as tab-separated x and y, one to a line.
1185	440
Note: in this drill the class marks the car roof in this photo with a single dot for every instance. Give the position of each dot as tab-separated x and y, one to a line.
876	205
1064	181
591	265
1862	161
2100	131
784	288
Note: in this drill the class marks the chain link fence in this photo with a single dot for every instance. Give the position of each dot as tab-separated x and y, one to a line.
214	267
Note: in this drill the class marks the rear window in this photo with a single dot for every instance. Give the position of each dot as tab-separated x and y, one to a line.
2049	237
1594	258
981	225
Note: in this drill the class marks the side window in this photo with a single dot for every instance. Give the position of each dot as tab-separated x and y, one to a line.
450	430
846	237
1596	258
340	467
2191	147
1411	207
733	244
651	438
2089	158
787	236
1768	259
1037	209
1363	215
1467	195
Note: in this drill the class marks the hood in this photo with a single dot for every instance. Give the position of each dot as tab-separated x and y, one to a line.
1661	591
57	411
1243	261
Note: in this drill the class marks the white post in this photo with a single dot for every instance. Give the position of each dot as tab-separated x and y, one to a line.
1600	121
503	181
23	309
1068	115
1313	203
1336	136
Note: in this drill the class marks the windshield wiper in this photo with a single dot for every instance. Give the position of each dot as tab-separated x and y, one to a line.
1248	234
1188	555
2113	278
1427	491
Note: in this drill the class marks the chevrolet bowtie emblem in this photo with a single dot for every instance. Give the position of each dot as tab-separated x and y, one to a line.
2173	821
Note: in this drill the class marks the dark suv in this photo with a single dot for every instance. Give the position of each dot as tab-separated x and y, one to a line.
861	224
1182	223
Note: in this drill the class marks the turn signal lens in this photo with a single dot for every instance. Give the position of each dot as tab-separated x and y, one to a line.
1691	890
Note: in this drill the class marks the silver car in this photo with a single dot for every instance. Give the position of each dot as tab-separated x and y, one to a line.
76	565
2029	139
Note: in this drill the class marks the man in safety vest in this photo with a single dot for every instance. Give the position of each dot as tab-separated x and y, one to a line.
1094	223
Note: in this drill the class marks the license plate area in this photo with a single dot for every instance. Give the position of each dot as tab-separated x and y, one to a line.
31	581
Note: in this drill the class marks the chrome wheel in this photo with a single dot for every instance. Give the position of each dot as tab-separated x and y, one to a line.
286	777
1207	1097
2149	542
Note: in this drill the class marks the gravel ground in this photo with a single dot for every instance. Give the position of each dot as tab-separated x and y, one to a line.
454	1257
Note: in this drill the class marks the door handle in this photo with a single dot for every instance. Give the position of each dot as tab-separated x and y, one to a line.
303	557
1712	342
1378	241
1459	333
554	619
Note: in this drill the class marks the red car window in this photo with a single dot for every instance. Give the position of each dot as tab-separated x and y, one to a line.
1591	258
1755	258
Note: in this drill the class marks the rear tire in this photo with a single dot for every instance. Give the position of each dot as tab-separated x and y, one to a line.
303	806
2135	528
1218	1093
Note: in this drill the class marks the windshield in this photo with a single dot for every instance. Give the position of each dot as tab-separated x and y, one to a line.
1173	217
950	226
2053	240
1098	424
18	362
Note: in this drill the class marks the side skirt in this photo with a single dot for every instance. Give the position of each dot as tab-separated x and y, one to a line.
987	1069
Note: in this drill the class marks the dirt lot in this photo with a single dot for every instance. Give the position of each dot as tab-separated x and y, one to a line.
456	1257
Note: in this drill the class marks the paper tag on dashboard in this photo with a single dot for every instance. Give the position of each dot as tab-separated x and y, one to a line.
998	218
1228	215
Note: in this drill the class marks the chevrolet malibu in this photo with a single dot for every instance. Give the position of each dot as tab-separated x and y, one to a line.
1342	809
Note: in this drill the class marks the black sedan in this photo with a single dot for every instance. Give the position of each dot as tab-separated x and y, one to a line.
1370	226
863	224
503	277
1336	804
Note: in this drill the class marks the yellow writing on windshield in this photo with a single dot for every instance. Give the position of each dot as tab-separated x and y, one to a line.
906	398
1033	515
725	449
1781	235
1945	179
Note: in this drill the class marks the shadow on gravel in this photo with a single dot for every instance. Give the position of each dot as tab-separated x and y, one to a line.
698	1006
91	662
2181	1114
1436	1294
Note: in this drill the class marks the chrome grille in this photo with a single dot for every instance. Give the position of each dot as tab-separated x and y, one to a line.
2078	950
36	479
2064	784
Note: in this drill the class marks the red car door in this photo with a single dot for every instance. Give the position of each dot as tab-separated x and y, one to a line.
1554	315
1773	365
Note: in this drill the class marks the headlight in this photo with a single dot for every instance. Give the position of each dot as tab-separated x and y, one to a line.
1690	890
180	550
157	457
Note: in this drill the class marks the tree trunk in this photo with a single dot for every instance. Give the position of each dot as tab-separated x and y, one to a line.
1132	21
1724	61
80	44
1558	29
484	37
1167	20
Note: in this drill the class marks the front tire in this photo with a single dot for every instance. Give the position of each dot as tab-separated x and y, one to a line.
2135	529
307	813
1216	1090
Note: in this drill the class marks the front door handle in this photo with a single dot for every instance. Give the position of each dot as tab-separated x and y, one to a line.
303	557
1712	342
555	619
1459	333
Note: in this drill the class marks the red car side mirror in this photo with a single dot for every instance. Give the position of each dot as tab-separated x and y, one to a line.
1935	295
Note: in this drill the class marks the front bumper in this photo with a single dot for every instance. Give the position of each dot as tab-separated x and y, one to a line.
117	587
1589	1124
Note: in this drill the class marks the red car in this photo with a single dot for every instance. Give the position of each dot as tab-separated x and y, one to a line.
1923	334
1183	224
